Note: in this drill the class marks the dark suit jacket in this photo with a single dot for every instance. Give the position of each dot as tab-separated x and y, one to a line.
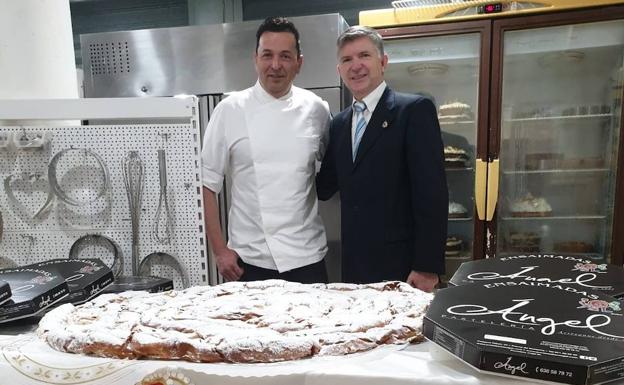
394	199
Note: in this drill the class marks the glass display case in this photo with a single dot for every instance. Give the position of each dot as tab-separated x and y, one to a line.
427	66
561	104
533	103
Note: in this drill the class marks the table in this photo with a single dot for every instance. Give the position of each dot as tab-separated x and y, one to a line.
26	360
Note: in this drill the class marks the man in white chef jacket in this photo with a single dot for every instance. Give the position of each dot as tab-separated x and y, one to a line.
267	138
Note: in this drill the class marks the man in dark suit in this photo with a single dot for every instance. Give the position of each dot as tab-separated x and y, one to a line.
385	156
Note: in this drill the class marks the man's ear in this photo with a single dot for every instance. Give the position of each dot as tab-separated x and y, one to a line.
384	61
300	61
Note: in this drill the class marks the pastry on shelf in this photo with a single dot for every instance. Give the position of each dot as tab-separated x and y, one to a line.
583	163
530	206
457	210
454	111
453	246
543	161
573	247
455	157
524	241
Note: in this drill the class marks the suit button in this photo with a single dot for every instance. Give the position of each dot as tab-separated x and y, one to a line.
355	208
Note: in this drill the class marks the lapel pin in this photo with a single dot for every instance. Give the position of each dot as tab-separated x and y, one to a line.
384	124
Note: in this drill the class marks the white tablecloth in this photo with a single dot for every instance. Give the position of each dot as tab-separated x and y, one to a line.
26	360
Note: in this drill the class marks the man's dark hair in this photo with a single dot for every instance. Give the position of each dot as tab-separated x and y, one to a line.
278	24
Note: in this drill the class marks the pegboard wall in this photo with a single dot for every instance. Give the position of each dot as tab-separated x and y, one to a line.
28	239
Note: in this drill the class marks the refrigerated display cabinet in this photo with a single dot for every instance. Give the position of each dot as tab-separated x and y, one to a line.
529	100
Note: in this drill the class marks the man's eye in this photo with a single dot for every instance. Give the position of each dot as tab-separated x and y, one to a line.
286	57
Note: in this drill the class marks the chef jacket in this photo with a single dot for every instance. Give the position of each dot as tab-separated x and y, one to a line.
269	148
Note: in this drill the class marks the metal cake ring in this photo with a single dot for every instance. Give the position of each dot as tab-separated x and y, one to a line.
13	199
164	259
98	239
56	188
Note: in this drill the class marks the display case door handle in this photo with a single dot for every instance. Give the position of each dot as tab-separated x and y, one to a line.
492	189
480	187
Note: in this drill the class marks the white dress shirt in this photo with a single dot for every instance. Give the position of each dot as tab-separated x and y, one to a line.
269	147
371	101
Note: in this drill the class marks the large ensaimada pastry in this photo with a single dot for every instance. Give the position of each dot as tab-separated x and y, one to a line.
262	321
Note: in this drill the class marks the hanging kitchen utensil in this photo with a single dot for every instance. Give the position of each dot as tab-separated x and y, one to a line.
31	140
162	230
132	167
7	263
5	140
27	184
163	265
92	245
78	176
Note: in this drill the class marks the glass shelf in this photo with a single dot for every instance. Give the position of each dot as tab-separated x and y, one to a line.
459	168
455	122
555	218
558	171
463	219
559	118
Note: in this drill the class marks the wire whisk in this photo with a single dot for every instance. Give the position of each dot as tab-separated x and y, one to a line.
133	179
163	220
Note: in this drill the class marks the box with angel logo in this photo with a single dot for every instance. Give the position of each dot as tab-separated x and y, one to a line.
540	331
526	269
138	283
5	292
85	278
32	290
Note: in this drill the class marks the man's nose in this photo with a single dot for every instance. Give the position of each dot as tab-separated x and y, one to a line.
276	63
356	65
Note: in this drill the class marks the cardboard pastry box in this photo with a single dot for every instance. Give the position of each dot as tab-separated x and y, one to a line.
32	290
542	331
85	278
136	283
5	292
551	269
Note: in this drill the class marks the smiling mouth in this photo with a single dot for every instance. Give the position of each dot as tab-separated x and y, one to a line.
358	77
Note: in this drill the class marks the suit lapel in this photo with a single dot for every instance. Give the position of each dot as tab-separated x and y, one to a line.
380	121
345	144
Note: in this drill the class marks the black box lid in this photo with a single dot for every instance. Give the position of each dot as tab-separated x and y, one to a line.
572	270
533	330
85	277
136	283
32	290
5	292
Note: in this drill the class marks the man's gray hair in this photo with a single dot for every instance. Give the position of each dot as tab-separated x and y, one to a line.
360	31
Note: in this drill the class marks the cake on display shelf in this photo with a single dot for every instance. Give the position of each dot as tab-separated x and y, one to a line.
453	246
262	321
454	111
530	206
455	157
523	241
573	247
457	210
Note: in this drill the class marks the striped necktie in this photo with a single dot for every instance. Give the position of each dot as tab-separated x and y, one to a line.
360	125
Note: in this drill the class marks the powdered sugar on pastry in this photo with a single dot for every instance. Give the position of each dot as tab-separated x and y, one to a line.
263	321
